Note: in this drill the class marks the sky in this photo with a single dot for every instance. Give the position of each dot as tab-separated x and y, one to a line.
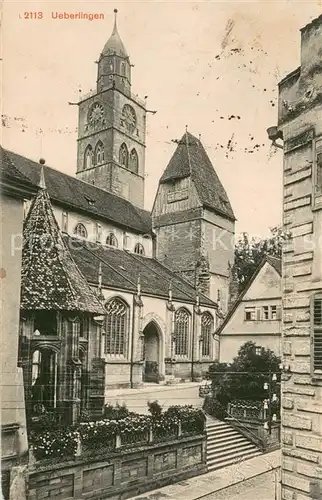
211	66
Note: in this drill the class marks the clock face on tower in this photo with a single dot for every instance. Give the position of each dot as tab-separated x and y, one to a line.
129	118
96	115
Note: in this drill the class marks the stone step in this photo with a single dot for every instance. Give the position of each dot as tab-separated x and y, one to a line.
224	441
219	464
226	445
222	433
227	450
215	425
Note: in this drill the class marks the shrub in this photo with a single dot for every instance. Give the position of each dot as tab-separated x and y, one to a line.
155	409
85	416
214	408
192	419
48	421
116	412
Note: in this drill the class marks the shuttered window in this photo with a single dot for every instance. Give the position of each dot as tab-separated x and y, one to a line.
317	334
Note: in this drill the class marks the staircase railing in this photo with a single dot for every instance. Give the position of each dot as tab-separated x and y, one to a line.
246	431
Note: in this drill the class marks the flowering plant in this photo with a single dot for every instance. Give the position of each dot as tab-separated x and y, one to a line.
99	434
59	443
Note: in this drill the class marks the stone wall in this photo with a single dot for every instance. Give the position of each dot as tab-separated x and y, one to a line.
300	121
121	474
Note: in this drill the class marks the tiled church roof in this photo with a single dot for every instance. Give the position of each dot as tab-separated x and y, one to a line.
191	159
121	269
72	192
8	170
50	279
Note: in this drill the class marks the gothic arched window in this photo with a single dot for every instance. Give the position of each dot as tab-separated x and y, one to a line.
139	248
124	155
88	158
123	69
207	322
134	161
80	230
181	332
116	327
111	240
99	153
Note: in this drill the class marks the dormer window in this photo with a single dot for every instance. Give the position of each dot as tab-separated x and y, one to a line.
80	231
90	200
111	240
139	249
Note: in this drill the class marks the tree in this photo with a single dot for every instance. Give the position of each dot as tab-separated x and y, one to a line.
244	378
250	251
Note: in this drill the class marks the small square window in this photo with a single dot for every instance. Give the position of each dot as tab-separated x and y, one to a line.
249	313
273	312
265	312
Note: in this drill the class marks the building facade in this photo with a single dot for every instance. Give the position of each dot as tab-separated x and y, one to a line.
300	127
14	444
256	314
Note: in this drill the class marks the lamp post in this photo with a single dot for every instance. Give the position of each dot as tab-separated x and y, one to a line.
268	403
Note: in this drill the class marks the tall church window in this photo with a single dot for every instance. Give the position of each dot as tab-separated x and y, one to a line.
80	230
88	159
124	155
139	248
134	161
206	333
122	68
99	153
181	332
111	240
116	327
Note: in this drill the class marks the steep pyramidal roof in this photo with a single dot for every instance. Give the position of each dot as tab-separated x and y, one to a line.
191	159
114	44
50	279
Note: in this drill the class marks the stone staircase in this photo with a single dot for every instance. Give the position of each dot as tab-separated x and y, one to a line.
226	446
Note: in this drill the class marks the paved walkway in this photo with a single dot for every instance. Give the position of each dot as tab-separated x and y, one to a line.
204	485
137	399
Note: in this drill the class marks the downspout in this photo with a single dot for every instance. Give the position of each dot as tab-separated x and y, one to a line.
136	301
132	342
193	340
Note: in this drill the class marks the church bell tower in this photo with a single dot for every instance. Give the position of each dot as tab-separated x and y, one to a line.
112	127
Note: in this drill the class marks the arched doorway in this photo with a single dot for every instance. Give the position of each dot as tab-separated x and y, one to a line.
151	353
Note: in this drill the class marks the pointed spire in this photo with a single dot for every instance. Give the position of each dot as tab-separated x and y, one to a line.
42	182
115	23
114	45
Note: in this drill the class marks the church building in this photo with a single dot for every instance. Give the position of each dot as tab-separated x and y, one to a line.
161	278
